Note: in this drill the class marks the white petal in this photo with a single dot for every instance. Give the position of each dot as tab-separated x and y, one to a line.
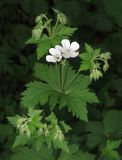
74	46
65	43
54	51
60	48
74	54
50	58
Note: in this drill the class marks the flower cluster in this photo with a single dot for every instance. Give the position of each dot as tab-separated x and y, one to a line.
66	50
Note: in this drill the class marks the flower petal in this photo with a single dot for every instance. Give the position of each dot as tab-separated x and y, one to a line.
54	51
50	58
65	43
74	54
60	48
74	46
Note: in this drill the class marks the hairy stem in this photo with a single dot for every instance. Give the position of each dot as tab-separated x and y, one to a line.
62	76
55	27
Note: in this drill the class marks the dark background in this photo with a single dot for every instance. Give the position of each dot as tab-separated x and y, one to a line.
99	23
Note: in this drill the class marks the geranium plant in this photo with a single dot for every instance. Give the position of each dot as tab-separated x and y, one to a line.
57	85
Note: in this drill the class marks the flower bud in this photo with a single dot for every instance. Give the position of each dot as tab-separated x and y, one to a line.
106	55
38	19
62	18
105	67
36	33
96	74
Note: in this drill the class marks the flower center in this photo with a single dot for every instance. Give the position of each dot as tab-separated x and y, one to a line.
57	57
67	50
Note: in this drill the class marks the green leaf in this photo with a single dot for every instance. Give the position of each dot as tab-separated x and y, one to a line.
26	154
86	64
45	43
80	155
96	134
113	123
43	48
37	92
96	52
49	74
60	144
88	49
109	151
92	60
78	108
21	140
46	153
13	120
66	31
66	127
33	131
74	92
87	57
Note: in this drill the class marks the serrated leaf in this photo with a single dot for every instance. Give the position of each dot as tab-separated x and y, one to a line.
43	48
13	120
109	151
21	140
66	31
89	50
65	126
78	108
74	93
60	144
86	63
37	92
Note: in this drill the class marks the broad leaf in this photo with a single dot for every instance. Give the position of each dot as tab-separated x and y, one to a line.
69	90
113	123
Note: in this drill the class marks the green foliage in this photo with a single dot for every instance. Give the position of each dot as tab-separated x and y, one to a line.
113	124
73	93
76	155
54	33
114	10
95	135
109	129
30	154
109	151
99	24
32	128
92	59
47	42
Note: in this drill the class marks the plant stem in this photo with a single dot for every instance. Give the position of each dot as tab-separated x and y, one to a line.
57	71
62	75
55	27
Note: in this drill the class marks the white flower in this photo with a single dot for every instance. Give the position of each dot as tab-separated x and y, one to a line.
68	50
55	55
